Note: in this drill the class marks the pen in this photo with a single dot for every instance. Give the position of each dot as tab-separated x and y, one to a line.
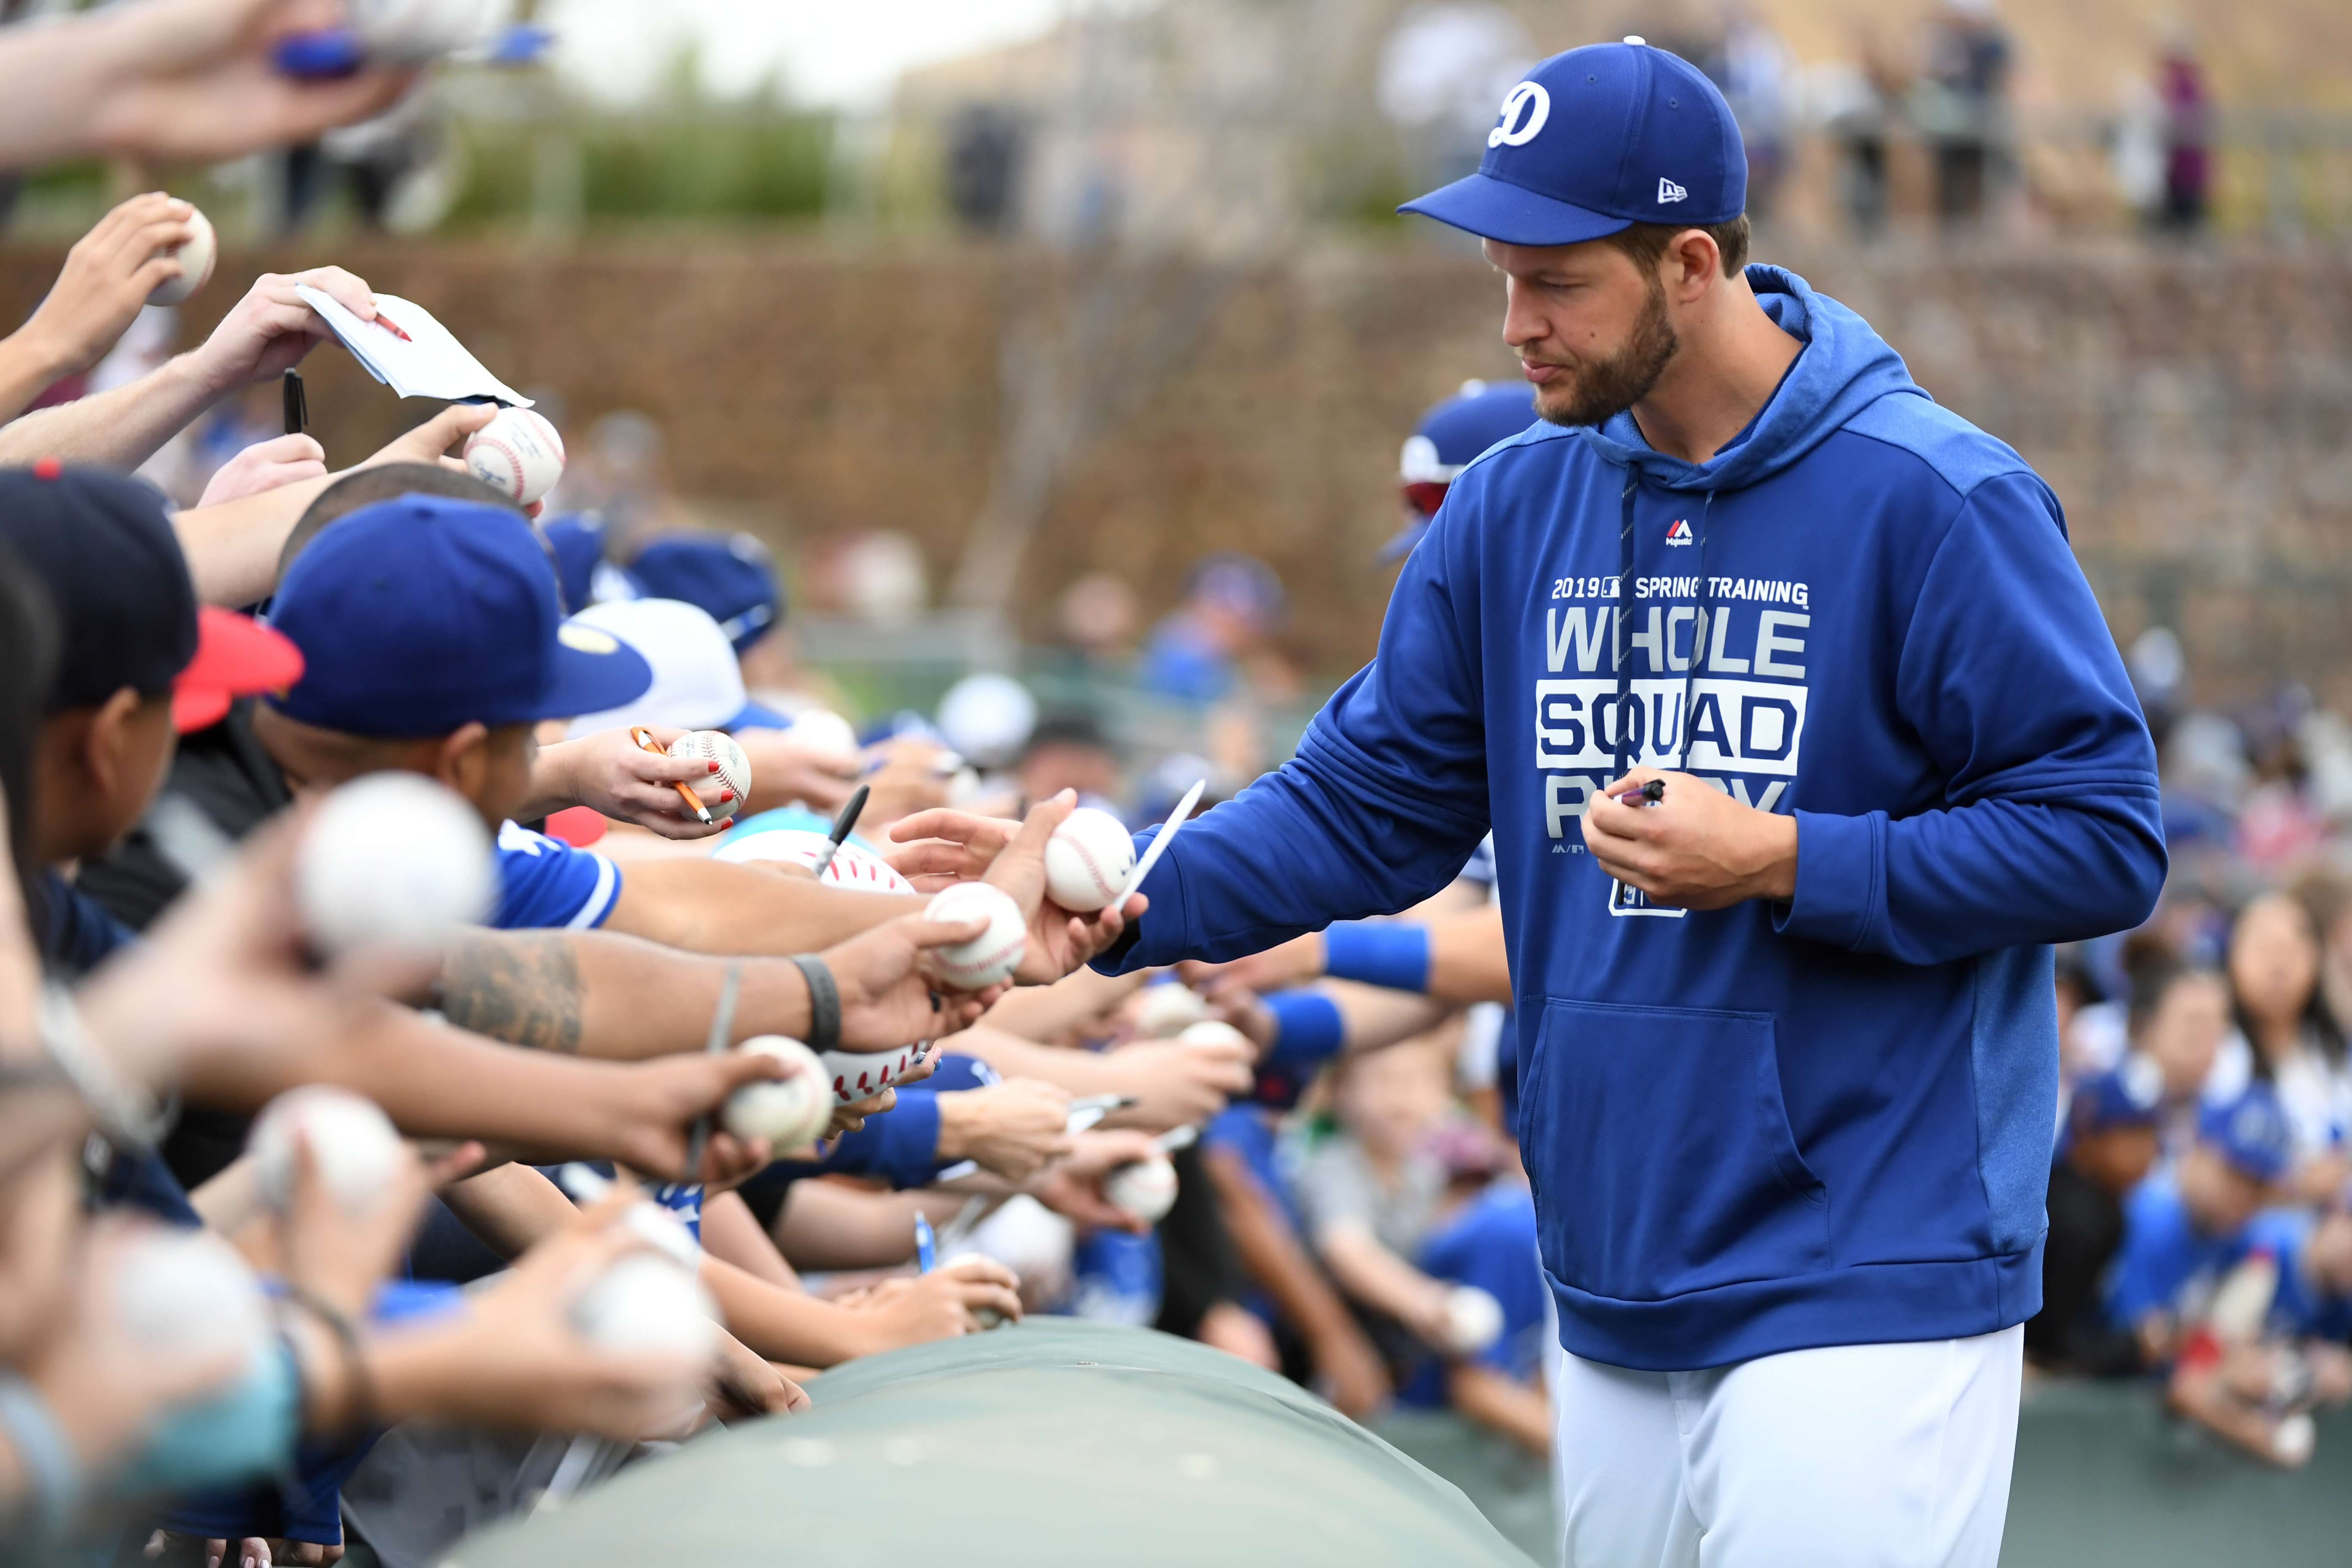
1649	794
841	829
646	743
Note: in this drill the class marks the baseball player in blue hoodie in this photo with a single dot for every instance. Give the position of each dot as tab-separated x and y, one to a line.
1802	739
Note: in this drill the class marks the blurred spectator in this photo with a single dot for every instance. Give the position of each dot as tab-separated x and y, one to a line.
1231	602
875	576
1854	104
1959	104
2288	1037
986	144
2106	1147
2179	1018
2188	132
1097	616
2185	1224
1450	434
1442	72
1756	72
1405	1210
1069	751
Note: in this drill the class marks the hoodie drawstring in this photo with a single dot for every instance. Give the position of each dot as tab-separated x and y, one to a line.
1627	752
1699	639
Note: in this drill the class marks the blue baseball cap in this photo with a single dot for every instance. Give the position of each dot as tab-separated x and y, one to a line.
1597	139
2128	1096
578	541
2250	1133
422	614
732	579
1449	436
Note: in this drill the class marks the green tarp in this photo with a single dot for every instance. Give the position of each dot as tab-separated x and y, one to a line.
1053	1442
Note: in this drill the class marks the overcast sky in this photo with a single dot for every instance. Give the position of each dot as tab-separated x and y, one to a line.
835	52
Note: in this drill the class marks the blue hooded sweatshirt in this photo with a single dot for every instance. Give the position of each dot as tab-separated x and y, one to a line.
1776	1125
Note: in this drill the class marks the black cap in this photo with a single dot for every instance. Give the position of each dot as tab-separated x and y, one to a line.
101	543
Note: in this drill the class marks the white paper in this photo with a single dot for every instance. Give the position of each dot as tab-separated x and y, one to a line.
429	363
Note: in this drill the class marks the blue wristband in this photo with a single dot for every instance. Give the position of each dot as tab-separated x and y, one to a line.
1308	1029
1392	953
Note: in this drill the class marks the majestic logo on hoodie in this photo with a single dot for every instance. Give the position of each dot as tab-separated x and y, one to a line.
1679	531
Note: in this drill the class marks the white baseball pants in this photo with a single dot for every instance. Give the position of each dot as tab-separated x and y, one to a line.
1888	1456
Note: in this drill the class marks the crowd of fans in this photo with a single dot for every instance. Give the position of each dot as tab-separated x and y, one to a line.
2201	1204
240	1324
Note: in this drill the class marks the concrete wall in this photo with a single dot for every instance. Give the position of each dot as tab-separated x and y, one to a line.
2189	407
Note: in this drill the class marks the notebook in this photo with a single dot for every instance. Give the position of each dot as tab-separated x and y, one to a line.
427	362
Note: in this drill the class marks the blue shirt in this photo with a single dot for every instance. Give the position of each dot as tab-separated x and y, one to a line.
1489	1242
546	884
2162	1253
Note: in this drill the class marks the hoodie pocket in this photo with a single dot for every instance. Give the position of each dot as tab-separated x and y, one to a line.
1661	1149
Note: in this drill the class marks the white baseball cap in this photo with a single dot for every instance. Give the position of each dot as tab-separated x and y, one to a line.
696	685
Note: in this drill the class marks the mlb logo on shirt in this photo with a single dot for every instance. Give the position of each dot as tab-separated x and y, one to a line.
1678	531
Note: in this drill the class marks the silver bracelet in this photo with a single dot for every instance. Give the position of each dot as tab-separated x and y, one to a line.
128	1113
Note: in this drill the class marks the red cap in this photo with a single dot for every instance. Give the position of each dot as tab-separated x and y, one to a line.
578	826
236	655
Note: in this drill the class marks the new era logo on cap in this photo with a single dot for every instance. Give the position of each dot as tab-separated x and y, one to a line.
1669	192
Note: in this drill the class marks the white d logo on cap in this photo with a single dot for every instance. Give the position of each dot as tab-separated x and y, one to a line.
1524	110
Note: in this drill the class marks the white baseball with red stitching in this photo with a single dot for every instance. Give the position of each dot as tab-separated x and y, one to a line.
996	952
1088	860
734	770
518	454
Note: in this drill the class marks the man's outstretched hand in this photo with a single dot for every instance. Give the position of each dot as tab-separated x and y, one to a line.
944	847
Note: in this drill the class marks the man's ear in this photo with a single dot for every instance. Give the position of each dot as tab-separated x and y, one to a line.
1692	265
99	756
462	759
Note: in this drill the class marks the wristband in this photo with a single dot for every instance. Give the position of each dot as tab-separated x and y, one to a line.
52	1472
825	1002
359	1393
1308	1029
1391	954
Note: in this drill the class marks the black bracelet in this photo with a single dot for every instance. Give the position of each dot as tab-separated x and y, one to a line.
360	1396
825	1002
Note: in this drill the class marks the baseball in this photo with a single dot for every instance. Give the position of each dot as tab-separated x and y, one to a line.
1087	859
1474	1320
2294	1438
996	952
734	768
853	865
518	454
393	858
188	1290
353	1144
822	730
1168	1008
1145	1189
645	1303
790	1112
196	256
860	1075
1210	1032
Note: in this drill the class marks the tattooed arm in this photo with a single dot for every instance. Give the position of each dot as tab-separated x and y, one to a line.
600	993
